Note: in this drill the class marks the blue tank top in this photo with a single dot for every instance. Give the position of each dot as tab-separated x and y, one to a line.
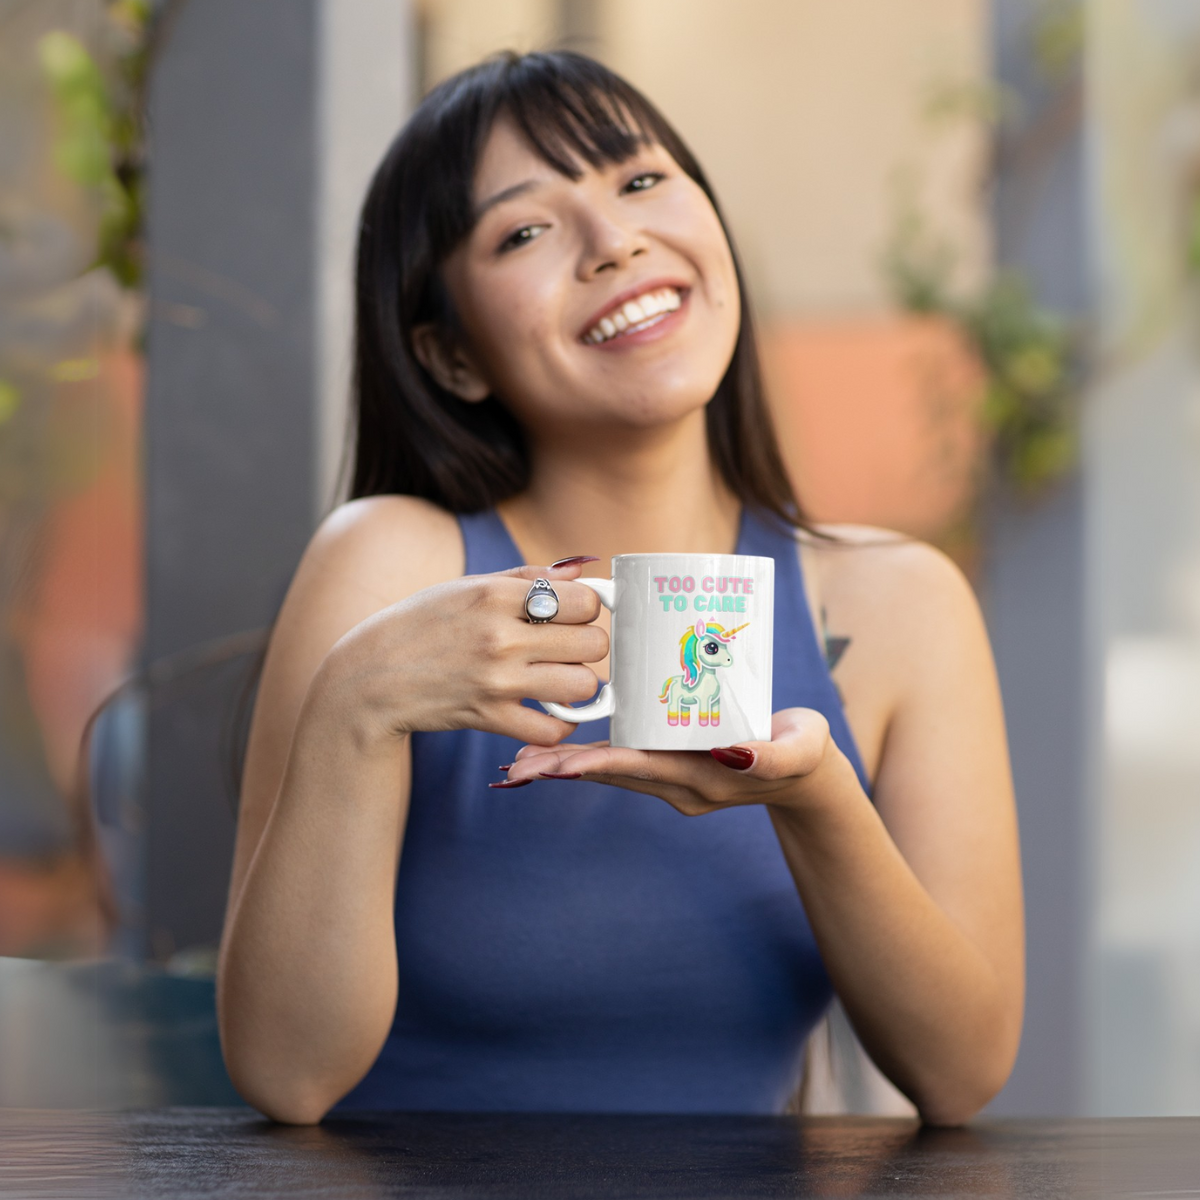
570	946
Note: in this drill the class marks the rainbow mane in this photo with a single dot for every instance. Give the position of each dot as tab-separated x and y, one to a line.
688	657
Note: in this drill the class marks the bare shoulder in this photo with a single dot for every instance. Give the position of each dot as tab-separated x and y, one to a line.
386	547
906	620
880	575
365	556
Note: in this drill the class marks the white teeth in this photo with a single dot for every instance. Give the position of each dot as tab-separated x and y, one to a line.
634	313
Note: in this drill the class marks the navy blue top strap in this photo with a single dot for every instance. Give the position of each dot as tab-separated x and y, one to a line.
799	652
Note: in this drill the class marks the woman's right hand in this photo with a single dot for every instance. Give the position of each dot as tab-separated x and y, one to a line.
461	655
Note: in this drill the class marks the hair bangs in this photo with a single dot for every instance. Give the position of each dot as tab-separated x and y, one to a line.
576	115
574	112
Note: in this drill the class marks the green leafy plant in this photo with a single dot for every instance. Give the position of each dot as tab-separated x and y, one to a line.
1029	357
100	139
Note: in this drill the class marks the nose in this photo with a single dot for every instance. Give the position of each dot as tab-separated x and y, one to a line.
608	245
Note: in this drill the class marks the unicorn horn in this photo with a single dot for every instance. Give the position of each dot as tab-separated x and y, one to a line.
730	632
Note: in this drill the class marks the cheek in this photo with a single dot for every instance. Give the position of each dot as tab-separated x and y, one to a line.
725	289
508	323
696	231
695	220
508	326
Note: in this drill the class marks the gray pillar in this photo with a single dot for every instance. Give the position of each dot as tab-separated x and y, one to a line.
266	119
1033	589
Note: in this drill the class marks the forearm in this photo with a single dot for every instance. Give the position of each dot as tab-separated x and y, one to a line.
307	981
924	999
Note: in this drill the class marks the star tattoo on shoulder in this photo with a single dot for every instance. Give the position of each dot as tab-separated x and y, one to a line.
835	647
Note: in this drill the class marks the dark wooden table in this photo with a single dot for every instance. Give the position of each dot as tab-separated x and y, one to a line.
184	1153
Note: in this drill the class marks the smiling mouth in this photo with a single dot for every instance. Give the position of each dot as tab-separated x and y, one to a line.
635	315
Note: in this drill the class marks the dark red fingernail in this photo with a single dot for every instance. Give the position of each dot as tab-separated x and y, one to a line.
505	767
572	562
511	783
733	756
560	774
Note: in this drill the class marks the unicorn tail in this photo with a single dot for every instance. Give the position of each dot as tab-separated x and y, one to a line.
662	696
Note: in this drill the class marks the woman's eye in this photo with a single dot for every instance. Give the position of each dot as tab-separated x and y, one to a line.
643	182
521	236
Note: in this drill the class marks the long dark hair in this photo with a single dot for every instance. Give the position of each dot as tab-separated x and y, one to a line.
411	435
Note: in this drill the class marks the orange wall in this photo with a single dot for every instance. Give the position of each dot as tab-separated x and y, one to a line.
878	418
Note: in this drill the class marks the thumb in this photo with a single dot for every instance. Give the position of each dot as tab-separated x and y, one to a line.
799	740
565	568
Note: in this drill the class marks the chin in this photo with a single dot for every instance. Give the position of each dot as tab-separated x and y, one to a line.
664	406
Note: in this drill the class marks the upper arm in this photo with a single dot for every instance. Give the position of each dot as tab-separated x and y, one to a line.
366	555
943	786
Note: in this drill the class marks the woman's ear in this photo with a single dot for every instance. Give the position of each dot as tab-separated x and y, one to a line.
450	364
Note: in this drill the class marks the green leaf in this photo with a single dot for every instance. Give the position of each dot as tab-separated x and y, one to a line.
1044	457
1035	368
10	401
82	149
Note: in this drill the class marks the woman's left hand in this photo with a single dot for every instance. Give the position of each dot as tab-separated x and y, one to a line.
780	772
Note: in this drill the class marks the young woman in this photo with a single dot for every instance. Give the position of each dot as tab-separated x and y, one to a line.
443	897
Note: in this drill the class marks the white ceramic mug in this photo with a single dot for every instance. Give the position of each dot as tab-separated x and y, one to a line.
691	651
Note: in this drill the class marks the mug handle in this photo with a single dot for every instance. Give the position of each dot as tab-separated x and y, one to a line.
604	704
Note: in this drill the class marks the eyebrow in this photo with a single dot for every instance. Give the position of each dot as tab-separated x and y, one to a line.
509	193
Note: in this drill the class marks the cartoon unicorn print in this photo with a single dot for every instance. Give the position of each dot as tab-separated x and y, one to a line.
703	649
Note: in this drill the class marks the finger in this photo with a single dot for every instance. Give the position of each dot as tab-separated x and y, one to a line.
534	762
577	604
529	725
644	773
690	780
562	682
553	643
565	568
534	749
627	767
537	761
799	741
530	764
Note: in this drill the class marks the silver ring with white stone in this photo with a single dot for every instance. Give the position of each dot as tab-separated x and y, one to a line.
541	602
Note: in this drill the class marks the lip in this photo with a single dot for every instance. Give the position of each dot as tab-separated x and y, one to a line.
632	293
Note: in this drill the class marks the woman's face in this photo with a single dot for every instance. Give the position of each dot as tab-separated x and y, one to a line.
607	299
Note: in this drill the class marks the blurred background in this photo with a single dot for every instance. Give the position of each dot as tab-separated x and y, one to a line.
972	234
